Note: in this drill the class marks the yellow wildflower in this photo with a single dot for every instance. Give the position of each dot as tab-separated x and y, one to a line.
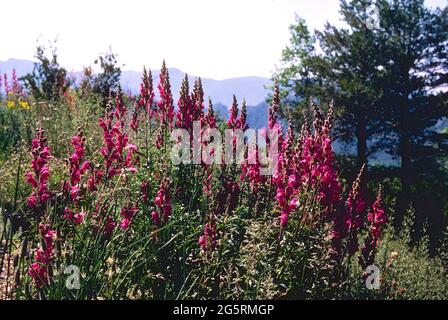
24	105
10	104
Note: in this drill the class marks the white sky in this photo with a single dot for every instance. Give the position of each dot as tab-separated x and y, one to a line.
209	38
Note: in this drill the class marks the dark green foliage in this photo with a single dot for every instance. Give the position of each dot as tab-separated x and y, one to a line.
108	79
49	80
388	84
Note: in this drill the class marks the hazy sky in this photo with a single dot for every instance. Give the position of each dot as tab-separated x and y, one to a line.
209	38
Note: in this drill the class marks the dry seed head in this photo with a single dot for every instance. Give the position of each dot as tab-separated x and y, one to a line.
276	97
329	120
210	106
318	117
357	183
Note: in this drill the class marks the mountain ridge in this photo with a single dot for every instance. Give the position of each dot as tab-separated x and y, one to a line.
251	88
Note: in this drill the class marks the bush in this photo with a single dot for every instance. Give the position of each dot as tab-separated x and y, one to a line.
407	272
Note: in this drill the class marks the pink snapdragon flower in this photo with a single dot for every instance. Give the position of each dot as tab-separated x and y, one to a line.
39	176
185	113
241	123
207	241
165	111
39	273
77	166
76	218
377	219
146	99
348	223
233	114
162	202
197	97
285	177
38	270
117	152
127	214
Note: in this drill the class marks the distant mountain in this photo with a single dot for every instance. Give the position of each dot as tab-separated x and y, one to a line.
253	89
250	88
220	91
22	66
257	116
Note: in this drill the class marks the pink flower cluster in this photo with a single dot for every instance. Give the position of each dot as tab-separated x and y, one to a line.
165	104
377	219
234	122
162	202
233	114
76	218
190	106
14	87
251	169
38	178
77	166
349	222
117	152
286	177
127	214
209	118
316	162
185	114
287	190
207	241
307	165
145	101
38	270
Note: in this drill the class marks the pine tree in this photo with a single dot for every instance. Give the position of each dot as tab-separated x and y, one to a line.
295	76
414	44
349	68
389	82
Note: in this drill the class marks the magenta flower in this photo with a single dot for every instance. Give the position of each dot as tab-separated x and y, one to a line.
109	227
38	270
207	241
185	113
40	175
117	152
162	202
233	114
241	123
127	214
155	217
76	218
348	223
165	104
377	219
146	99
39	274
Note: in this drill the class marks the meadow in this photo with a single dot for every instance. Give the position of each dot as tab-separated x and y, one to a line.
92	207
